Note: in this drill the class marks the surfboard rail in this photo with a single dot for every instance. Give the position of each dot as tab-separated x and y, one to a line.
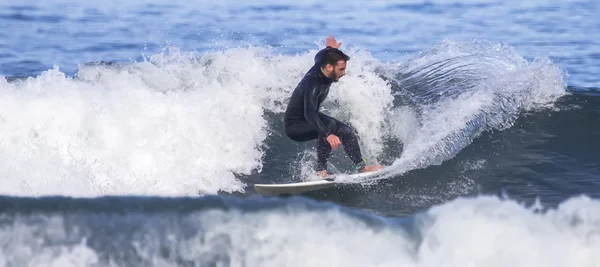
294	188
307	186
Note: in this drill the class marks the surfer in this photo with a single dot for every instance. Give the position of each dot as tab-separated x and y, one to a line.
303	121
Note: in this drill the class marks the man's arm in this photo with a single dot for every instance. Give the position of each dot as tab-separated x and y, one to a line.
311	115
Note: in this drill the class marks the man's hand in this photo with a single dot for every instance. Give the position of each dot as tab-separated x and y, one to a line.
334	141
331	42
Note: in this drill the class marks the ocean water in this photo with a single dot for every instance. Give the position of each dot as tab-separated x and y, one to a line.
131	133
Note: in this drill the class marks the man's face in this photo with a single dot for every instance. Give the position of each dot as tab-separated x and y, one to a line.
338	71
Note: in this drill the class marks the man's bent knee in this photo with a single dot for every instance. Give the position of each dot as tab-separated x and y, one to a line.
347	131
300	136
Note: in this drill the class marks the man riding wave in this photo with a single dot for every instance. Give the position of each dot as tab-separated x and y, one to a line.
303	121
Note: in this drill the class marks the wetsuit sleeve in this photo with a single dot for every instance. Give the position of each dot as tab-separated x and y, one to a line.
311	115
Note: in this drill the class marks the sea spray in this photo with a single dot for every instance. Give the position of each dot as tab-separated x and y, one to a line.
178	123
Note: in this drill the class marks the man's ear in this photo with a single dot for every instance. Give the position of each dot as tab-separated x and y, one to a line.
329	67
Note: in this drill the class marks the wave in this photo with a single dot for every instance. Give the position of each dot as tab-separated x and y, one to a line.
457	91
218	231
180	123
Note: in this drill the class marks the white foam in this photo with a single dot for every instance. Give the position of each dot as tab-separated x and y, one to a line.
463	89
184	123
491	232
364	101
178	124
481	231
29	246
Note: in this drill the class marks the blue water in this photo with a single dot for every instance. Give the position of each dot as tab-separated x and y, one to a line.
131	133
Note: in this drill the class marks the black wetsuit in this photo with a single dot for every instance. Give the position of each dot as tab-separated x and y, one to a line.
304	122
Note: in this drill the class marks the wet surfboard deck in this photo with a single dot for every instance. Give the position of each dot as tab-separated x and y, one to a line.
308	186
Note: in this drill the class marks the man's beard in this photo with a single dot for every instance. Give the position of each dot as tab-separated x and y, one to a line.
333	77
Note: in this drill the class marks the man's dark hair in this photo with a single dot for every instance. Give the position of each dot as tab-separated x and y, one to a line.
332	56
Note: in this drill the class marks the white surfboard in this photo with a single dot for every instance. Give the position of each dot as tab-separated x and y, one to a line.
307	186
293	188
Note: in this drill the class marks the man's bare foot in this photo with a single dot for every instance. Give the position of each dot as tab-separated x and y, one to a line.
322	173
372	168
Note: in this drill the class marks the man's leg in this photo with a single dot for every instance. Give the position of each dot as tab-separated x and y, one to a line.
323	153
349	139
351	146
301	131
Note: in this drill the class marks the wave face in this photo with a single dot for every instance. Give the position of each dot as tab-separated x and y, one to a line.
182	123
448	96
176	124
217	231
